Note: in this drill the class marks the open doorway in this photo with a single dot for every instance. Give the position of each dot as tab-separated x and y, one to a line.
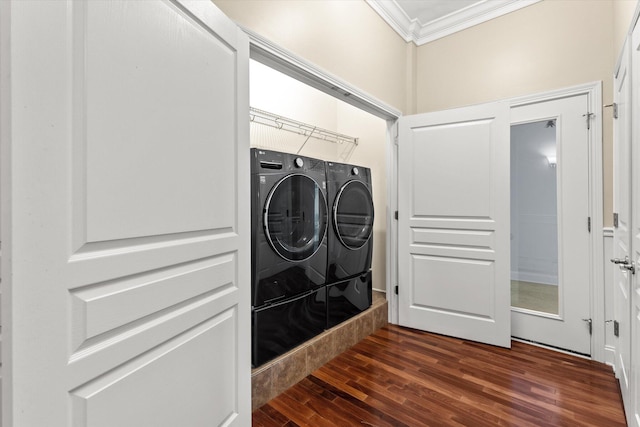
534	219
551	224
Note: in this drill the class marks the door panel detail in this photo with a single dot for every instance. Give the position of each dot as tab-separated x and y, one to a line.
93	403
454	244
134	272
453	285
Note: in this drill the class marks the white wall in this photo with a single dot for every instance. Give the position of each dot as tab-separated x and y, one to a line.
279	94
534	229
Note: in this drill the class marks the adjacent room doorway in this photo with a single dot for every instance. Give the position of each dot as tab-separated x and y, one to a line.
550	224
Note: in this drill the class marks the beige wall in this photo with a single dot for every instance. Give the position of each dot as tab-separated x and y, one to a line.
346	38
549	45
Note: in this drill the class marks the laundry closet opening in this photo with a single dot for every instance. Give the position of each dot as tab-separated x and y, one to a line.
318	173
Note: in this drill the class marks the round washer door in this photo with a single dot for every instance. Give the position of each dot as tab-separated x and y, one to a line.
353	215
295	217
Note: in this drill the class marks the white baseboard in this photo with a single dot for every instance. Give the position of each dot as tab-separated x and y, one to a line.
545	279
610	356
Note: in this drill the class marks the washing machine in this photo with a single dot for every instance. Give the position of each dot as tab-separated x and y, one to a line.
351	221
350	242
289	250
289	224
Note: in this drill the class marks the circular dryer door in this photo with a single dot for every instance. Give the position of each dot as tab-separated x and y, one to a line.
295	217
353	215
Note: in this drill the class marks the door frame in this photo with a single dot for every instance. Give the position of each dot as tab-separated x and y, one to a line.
280	59
592	92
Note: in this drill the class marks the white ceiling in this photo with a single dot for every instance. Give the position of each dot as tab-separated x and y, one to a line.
426	11
422	21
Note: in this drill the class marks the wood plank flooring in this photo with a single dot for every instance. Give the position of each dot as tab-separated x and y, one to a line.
404	377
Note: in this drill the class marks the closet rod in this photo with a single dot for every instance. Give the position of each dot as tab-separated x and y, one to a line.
279	122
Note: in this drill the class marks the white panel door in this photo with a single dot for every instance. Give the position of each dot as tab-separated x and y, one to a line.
634	417
621	233
129	226
453	234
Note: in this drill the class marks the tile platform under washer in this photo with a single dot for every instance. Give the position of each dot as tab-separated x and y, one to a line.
274	377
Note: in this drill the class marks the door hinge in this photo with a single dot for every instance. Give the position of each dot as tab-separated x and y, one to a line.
588	116
615	109
616	327
615	220
396	290
395	215
590	322
589	224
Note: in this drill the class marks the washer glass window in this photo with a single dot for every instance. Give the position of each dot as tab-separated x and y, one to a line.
353	214
296	217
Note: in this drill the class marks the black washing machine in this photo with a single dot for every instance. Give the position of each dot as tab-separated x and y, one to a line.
350	241
289	251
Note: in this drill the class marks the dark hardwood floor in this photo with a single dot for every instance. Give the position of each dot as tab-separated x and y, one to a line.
404	377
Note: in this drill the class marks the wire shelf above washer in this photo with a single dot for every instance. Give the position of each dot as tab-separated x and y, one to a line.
305	130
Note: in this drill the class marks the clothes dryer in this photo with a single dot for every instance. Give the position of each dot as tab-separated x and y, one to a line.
350	232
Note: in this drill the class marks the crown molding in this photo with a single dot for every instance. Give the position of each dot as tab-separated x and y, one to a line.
421	33
395	17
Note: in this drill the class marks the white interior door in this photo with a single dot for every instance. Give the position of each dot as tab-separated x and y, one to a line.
622	227
128	229
550	223
453	232
633	416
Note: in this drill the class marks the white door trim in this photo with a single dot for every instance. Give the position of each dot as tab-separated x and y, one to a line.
280	59
593	91
609	343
